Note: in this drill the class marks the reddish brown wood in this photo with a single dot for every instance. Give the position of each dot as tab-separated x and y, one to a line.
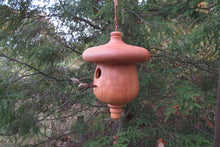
116	74
116	52
115	111
117	84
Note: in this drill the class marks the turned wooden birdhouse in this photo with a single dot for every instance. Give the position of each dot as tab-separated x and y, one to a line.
116	74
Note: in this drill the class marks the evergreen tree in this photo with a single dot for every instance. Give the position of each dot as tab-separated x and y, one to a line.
40	51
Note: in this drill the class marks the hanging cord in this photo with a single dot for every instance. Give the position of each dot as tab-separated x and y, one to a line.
116	20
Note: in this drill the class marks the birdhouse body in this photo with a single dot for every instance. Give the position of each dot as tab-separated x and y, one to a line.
116	76
116	84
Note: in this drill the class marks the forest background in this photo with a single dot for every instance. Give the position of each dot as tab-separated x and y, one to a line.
40	50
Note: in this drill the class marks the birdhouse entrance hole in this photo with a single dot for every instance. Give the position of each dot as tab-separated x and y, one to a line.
98	73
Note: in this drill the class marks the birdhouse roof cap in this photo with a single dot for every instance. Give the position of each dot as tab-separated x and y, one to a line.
116	52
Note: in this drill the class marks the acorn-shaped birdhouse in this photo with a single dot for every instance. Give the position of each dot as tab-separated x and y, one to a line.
115	75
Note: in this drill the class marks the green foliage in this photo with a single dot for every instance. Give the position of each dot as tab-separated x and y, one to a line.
40	105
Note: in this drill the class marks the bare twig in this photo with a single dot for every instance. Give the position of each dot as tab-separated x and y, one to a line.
82	85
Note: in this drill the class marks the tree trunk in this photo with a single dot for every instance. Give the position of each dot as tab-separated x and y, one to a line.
217	116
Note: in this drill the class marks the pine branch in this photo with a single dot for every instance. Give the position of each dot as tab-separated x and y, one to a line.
81	19
76	18
87	22
30	66
139	17
61	106
174	137
65	45
185	62
56	109
65	134
70	115
52	138
25	76
61	41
